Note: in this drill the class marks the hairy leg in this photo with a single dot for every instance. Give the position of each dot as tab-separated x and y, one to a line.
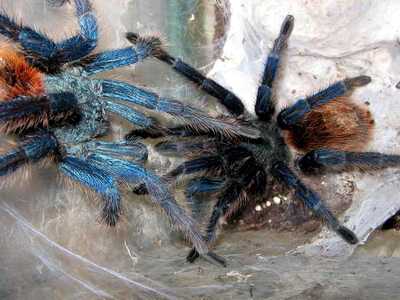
189	147
230	193
160	195
198	186
225	97
192	117
46	54
196	165
178	131
30	40
112	59
100	181
129	114
312	201
288	117
85	42
233	162
30	150
133	151
27	112
265	107
247	177
200	164
327	159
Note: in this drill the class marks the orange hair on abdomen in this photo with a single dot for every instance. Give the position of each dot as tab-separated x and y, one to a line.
338	124
17	77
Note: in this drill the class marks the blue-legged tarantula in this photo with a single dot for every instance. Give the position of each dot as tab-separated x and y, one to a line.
327	126
50	103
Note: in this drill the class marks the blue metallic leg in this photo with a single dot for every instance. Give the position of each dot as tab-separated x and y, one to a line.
133	151
109	60
11	161
100	181
46	54
31	150
197	119
85	42
30	40
288	117
312	201
25	112
265	107
136	152
159	193
129	114
113	59
225	97
126	92
326	159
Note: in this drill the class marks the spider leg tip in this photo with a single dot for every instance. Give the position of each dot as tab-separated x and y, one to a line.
348	235
289	18
287	25
358	81
211	257
215	259
132	37
192	256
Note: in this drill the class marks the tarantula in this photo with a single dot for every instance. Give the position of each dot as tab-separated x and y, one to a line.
53	106
326	125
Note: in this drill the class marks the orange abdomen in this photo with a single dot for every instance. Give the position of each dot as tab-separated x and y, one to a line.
338	124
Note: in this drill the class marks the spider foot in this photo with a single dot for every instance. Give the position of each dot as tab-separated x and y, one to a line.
348	235
193	255
211	257
357	81
287	26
